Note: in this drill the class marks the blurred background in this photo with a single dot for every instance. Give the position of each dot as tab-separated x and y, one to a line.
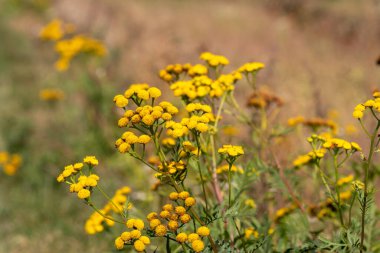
320	59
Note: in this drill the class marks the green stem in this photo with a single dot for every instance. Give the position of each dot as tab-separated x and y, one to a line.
337	190
366	169
350	210
240	235
325	182
111	201
200	171
229	185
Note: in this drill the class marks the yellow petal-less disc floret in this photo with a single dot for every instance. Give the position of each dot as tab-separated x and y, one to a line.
139	246
184	195
190	201
160	230
181	237
203	231
197	245
84	194
119	243
192	237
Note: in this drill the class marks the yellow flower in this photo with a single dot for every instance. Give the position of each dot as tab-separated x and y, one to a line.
345	180
119	243
231	151
192	237
251	67
197	245
185	218
51	94
154	92
190	201
295	121
138	224
139	246
168	207
164	214
126	236
203	231
357	185
135	234
251	232
181	237
184	195
357	114
145	239
180	210
154	223
144	139
84	194
173	196
160	230
173	225
52	31
120	101
250	202
91	160
151	216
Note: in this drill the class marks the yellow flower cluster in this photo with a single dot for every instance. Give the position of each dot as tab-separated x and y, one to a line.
197	70
175	129
171	168
51	94
372	104
224	169
282	212
250	203
198	122
173	217
173	71
313	123
357	185
69	48
133	237
137	92
295	120
82	185
96	222
146	115
55	30
345	180
335	143
231	151
264	98
312	156
194	238
214	60
128	141
251	67
201	86
327	207
10	162
196	82
248	232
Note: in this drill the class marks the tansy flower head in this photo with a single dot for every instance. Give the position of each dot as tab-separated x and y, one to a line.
231	151
91	160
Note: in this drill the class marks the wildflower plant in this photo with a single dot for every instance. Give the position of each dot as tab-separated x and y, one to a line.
206	179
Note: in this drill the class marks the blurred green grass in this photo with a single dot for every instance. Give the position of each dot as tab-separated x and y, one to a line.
37	214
